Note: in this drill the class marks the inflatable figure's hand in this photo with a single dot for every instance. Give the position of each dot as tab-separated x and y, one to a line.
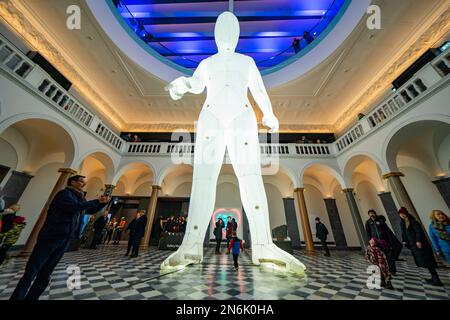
272	122
178	88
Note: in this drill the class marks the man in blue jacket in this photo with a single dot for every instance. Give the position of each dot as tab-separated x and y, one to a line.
62	224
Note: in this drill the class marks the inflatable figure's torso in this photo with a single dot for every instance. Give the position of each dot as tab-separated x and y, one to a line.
227	76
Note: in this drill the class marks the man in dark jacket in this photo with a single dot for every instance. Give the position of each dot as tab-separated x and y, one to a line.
376	227
322	233
137	232
62	224
98	227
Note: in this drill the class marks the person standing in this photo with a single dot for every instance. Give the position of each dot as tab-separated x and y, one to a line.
218	234
321	234
236	246
375	255
137	233
440	234
110	227
415	240
98	227
235	224
119	230
229	230
376	227
61	225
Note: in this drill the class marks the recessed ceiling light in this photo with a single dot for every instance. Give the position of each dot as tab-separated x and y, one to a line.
113	71
346	70
371	36
90	38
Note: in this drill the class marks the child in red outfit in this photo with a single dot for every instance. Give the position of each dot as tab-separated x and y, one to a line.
236	245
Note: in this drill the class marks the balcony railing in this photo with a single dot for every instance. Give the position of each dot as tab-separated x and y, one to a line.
432	75
13	61
20	67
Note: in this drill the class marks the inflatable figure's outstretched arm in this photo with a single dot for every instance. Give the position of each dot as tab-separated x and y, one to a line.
258	90
196	84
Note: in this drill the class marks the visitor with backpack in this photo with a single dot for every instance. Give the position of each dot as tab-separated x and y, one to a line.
235	246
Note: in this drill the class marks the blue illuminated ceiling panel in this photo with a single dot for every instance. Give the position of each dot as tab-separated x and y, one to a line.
183	30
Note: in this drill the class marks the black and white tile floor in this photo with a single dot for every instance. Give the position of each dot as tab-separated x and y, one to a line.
107	275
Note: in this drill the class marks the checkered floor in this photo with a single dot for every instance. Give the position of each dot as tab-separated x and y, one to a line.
107	275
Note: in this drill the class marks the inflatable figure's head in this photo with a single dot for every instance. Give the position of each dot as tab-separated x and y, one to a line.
227	32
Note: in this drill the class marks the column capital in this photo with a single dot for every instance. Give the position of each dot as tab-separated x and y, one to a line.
68	170
299	189
347	190
392	174
110	186
156	187
325	199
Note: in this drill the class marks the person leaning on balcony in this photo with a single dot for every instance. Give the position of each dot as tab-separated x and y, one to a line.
62	224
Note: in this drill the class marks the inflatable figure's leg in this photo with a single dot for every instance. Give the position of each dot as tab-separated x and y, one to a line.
208	158
243	148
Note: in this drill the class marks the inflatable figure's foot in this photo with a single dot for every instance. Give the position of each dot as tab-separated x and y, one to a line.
271	256
184	256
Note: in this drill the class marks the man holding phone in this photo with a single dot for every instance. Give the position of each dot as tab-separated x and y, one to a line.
62	224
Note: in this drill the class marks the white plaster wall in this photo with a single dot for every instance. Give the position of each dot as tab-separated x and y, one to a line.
8	155
316	208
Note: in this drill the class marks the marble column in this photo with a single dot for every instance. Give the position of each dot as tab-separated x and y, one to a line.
400	192
336	224
391	212
292	222
307	234
150	216
356	216
443	185
61	183
4	170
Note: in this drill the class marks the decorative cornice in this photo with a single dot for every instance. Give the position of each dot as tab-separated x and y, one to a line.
438	30
392	174
68	170
17	17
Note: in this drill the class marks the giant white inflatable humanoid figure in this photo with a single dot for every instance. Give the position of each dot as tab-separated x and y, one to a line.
228	121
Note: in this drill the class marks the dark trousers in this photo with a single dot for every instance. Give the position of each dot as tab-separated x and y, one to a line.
218	241
3	250
130	244
235	259
390	257
108	236
136	242
228	240
325	246
117	236
43	260
97	239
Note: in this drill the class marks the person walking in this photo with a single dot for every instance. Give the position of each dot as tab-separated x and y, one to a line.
321	234
218	234
375	255
440	234
98	227
236	246
61	225
415	240
137	233
376	227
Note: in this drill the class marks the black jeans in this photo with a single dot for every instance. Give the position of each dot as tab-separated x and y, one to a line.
97	240
43	260
235	259
108	236
117	236
136	242
325	246
218	242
